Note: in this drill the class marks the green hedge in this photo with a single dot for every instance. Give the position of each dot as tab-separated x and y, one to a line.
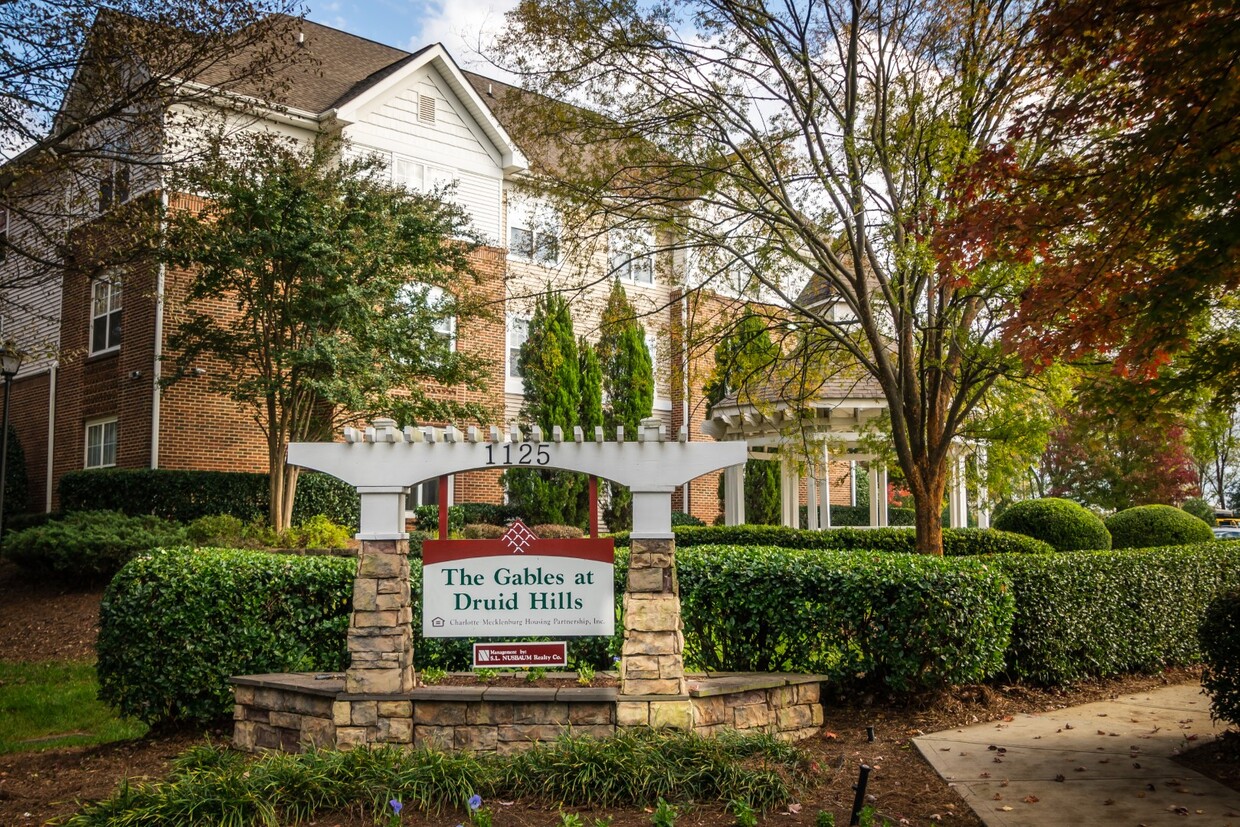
185	496
957	542
1219	635
88	545
1150	526
1064	524
855	516
1107	612
900	622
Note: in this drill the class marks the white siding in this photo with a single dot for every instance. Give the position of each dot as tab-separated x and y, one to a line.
30	290
390	126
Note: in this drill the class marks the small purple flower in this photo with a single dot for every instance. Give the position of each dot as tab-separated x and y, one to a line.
396	806
475	801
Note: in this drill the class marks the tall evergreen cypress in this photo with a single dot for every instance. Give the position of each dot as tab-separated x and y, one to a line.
551	374
591	403
743	359
628	382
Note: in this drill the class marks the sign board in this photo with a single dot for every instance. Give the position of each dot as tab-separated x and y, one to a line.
518	586
517	655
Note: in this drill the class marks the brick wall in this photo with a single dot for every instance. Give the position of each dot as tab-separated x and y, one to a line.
28	416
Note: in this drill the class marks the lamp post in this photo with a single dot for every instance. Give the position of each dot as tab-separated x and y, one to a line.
10	363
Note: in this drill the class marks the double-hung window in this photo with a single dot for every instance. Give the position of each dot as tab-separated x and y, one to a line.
114	174
105	314
437	304
101	443
533	231
518	332
631	254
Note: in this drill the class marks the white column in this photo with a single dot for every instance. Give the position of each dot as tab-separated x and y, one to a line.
811	505
652	514
876	497
734	494
883	513
790	493
824	491
983	506
953	493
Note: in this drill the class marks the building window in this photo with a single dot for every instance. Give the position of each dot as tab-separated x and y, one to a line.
518	332
533	231
407	173
114	176
427	493
105	314
101	443
631	255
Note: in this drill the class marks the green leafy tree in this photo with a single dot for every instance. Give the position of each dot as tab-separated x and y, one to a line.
628	382
318	295
551	376
744	359
773	141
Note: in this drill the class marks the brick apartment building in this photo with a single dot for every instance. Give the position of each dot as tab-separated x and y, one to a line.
90	396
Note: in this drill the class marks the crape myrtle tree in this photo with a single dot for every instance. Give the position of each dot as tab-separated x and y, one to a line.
628	384
318	295
92	95
745	358
551	375
829	140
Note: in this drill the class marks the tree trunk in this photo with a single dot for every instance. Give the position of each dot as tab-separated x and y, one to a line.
291	473
928	510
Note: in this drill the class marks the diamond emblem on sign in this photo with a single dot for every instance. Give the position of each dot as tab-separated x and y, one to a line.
518	537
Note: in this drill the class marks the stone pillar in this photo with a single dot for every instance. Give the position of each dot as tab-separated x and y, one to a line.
654	642
380	636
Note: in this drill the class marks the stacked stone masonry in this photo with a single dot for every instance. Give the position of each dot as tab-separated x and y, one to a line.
653	653
292	712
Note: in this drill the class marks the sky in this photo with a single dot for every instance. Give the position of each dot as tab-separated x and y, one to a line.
412	24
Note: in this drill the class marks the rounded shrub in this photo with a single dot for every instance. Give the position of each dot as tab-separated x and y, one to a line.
88	545
1149	526
1200	509
1064	524
898	622
1219	635
175	624
482	531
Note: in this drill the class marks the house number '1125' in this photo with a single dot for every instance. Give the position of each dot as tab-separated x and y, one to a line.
523	453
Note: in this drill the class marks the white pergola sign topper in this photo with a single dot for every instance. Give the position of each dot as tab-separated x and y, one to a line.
384	461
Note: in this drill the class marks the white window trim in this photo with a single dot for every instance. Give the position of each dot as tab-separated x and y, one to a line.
100	423
512	384
661	403
434	296
414	493
639	245
111	280
539	220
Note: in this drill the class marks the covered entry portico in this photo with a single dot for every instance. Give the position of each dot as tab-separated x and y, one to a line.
830	440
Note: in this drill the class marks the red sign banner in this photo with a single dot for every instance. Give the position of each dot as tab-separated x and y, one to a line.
517	655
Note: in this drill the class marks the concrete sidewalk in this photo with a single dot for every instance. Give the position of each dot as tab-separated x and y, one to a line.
1101	763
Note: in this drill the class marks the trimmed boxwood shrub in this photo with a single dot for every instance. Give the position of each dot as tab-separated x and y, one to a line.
1106	612
1219	636
185	496
175	624
900	622
88	545
681	518
957	542
1064	524
1148	526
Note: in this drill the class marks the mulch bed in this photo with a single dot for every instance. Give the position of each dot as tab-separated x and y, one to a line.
42	621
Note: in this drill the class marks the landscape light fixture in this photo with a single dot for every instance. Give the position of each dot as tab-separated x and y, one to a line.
10	363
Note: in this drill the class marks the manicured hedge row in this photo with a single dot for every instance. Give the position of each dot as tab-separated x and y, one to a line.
185	496
957	542
853	516
174	625
1106	612
1066	525
88	545
900	622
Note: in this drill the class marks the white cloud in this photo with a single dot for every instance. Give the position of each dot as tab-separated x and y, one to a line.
466	30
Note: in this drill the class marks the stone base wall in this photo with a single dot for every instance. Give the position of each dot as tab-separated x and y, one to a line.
291	712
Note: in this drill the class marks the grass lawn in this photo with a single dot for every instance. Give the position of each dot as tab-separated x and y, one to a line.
45	705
